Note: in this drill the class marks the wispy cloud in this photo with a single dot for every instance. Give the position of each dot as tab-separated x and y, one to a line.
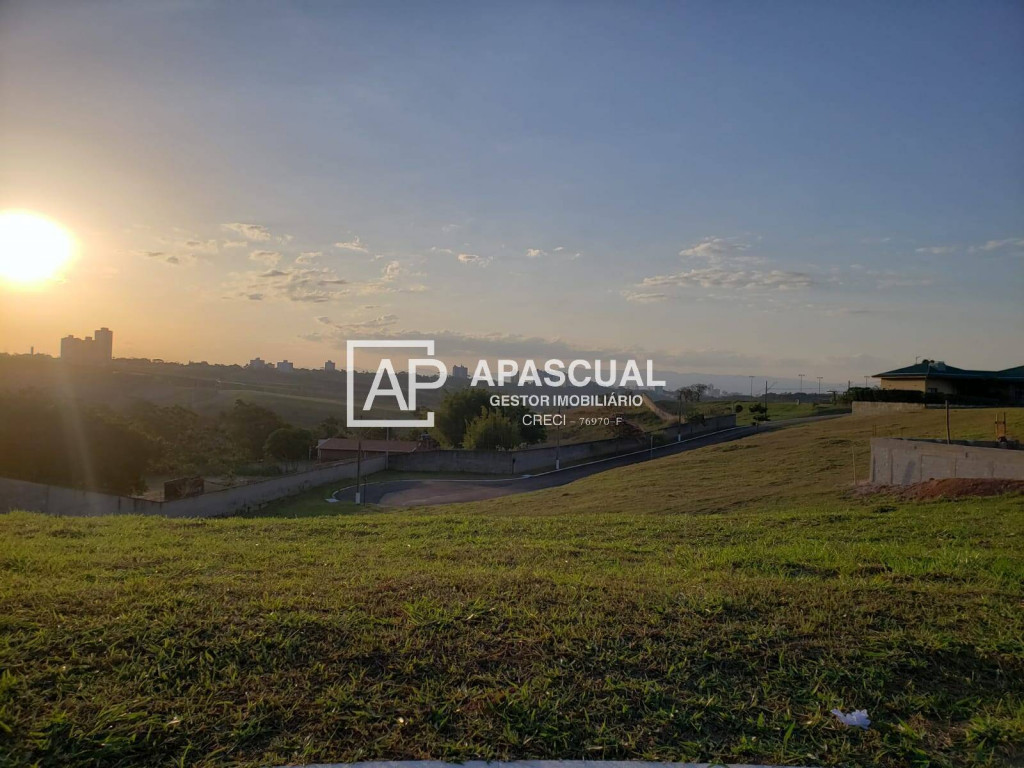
938	250
254	232
534	253
644	297
1013	243
719	277
472	258
270	258
308	257
355	244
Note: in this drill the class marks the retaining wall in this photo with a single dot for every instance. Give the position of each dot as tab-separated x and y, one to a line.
542	459
903	462
72	502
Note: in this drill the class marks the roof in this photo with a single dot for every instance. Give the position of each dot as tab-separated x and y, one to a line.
368	446
1012	373
939	370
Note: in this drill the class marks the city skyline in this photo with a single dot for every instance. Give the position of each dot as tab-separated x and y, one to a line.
729	193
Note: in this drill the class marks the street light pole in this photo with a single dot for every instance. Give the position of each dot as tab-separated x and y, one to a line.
679	426
558	443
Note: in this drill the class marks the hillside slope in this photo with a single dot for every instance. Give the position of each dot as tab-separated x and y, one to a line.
711	605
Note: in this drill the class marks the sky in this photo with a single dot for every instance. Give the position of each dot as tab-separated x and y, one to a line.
739	188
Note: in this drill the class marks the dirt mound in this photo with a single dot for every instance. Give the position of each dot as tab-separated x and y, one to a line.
955	488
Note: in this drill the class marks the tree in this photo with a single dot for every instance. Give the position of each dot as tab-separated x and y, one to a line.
288	444
459	409
455	413
694	392
330	427
250	425
528	433
65	442
491	431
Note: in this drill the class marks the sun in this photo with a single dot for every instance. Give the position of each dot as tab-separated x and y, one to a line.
33	249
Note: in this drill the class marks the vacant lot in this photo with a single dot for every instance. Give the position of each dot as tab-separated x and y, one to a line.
711	605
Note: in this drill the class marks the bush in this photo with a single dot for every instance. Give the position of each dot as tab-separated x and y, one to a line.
289	444
491	431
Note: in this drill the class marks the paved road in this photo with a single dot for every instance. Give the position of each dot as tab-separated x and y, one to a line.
417	493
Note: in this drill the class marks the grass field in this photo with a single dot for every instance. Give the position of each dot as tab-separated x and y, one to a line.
711	605
777	411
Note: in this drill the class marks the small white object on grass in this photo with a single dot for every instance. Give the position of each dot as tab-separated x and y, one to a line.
857	719
331	500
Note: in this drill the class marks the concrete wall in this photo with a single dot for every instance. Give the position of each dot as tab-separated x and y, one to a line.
903	462
865	408
71	502
541	459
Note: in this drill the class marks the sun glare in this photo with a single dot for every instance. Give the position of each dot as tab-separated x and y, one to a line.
33	249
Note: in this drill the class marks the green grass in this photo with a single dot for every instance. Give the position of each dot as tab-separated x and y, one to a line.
713	605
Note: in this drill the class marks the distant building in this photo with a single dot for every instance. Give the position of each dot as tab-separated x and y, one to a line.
934	377
284	365
92	350
460	372
329	366
257	364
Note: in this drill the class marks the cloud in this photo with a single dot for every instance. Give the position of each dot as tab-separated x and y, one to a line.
900	281
205	247
718	250
642	297
472	258
436	249
270	258
355	244
990	246
339	332
744	279
234	244
559	249
1013	243
255	297
292	284
255	232
164	256
391	271
308	257
534	253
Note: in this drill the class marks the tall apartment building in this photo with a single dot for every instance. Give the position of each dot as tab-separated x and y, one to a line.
97	349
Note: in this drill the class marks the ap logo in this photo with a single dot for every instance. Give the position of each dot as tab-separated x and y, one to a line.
386	385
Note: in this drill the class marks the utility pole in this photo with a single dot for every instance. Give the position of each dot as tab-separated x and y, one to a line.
801	375
866	382
819	386
751	387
